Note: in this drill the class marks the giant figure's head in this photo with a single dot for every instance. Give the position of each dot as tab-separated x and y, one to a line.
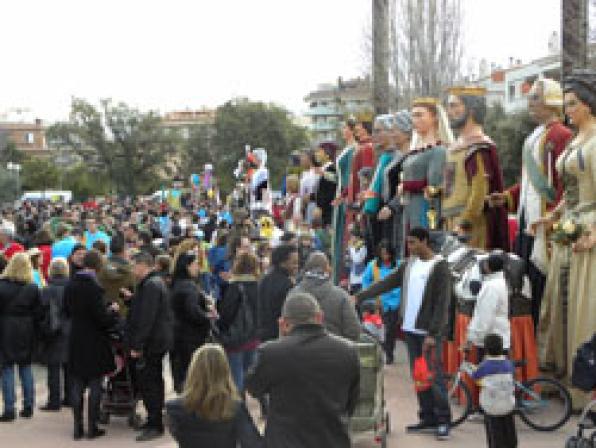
545	100
465	104
580	96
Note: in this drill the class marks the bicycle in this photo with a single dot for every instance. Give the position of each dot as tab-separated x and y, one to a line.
543	404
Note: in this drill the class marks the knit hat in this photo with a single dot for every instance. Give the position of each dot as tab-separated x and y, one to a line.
403	121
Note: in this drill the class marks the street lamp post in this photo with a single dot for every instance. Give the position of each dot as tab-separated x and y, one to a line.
10	166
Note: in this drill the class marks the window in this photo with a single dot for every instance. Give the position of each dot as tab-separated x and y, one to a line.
29	138
511	92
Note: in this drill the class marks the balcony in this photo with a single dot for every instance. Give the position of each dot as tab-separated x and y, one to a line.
328	111
324	127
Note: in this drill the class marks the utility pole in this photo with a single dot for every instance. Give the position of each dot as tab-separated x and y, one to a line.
380	56
574	35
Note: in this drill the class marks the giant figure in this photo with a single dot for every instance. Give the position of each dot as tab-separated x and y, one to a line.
342	217
422	169
540	188
472	172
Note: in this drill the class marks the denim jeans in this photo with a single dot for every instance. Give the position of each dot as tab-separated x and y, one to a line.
8	386
205	281
240	362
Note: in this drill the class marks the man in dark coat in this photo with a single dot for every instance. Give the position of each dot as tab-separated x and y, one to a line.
150	333
90	354
312	379
274	288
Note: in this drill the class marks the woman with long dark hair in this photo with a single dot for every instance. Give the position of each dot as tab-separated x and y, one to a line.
191	322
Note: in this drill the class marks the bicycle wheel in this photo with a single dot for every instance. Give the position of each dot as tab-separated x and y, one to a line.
460	400
543	404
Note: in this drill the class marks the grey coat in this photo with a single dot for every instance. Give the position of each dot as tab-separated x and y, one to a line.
56	349
313	381
340	316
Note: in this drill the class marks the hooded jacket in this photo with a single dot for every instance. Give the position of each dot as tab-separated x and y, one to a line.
340	316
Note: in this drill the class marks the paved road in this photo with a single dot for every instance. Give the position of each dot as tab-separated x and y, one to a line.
53	430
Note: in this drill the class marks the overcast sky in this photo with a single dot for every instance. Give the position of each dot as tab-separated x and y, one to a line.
187	53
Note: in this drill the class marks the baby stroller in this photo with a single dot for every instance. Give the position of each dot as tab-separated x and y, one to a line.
370	413
584	378
118	393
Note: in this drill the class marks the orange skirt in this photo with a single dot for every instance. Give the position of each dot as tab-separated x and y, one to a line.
452	357
523	346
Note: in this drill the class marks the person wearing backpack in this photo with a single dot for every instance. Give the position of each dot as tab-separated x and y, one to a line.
497	394
56	331
238	311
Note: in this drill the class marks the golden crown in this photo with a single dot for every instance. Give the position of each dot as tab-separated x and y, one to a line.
467	91
425	100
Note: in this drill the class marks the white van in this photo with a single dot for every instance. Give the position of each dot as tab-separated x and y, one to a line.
48	195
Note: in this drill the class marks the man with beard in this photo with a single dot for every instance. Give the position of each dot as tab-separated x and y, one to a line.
472	172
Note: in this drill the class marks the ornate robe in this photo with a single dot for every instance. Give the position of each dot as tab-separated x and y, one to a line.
540	184
421	168
472	172
341	217
364	156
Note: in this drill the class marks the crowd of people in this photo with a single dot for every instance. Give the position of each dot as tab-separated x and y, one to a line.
263	296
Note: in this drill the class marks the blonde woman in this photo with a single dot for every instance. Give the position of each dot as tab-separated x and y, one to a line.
209	411
20	309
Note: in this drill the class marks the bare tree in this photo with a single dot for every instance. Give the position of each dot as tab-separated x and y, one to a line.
426	48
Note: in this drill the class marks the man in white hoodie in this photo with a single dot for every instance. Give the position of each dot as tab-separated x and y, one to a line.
491	314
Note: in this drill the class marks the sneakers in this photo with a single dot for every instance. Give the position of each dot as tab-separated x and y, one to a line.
149	434
421	427
443	432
